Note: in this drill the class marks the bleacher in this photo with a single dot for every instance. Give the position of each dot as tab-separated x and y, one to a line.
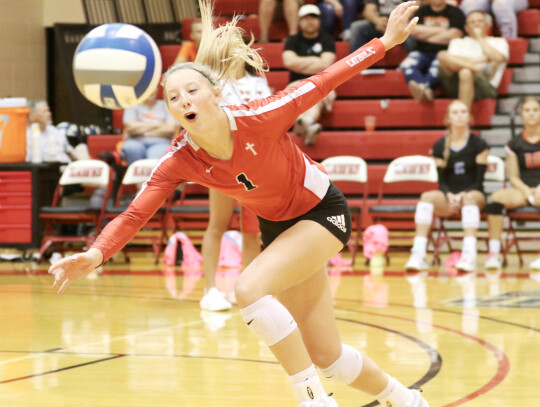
403	126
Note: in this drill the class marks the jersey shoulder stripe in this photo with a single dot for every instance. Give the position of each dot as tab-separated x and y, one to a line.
258	107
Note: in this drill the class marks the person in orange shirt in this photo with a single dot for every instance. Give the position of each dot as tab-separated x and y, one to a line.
189	49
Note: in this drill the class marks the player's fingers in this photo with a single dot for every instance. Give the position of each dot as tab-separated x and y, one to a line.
409	11
411	26
59	276
64	286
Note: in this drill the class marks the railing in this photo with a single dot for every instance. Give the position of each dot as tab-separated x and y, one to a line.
138	11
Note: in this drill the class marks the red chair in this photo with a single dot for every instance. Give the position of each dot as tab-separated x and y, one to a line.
346	169
90	175
136	175
190	211
412	174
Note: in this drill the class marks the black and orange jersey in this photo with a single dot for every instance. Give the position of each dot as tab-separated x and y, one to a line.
528	156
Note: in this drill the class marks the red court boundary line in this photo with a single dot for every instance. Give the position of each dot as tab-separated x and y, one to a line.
122	272
502	359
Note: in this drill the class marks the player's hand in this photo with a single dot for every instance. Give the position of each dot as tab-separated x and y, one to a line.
72	268
399	27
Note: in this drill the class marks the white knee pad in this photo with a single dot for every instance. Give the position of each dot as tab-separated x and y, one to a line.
424	213
346	368
269	319
470	217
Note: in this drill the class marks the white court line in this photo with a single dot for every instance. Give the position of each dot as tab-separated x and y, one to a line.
119	338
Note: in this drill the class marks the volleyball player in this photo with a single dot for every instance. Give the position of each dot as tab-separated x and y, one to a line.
244	151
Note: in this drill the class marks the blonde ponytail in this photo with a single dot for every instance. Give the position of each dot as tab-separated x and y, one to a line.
223	49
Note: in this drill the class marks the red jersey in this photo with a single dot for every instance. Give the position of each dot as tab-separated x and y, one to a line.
267	173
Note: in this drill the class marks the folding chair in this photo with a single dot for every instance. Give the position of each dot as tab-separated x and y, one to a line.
412	174
136	174
91	175
524	214
495	172
191	210
343	171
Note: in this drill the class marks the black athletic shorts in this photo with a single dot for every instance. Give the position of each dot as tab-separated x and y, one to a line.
332	212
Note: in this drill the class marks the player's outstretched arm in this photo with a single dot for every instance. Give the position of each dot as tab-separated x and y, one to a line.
399	27
74	267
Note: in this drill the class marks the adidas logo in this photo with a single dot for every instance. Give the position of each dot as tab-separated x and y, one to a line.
339	221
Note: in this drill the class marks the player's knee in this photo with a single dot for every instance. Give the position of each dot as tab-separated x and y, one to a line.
494	208
429	196
470	216
269	319
248	291
346	368
465	74
471	198
215	231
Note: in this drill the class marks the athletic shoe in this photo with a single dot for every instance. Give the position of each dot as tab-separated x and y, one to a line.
493	262
416	263
312	134
328	402
535	265
416	400
214	300
466	263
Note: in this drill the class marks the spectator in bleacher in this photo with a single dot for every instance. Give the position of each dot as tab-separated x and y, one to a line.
473	66
376	14
266	15
149	128
461	159
523	168
307	53
438	24
54	145
503	10
333	10
247	87
188	50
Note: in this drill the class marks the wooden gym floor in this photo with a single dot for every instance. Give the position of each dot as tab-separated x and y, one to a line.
135	336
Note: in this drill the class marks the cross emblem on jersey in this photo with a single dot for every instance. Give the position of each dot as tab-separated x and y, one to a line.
250	147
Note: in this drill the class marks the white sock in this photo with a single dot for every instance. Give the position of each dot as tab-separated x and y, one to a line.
395	394
469	245
307	385
420	246
494	246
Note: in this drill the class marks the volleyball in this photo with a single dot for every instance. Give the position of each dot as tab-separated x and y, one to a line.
117	66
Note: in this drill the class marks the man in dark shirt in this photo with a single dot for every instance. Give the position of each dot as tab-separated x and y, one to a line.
438	24
307	53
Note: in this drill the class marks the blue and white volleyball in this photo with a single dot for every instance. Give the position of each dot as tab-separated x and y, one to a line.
117	66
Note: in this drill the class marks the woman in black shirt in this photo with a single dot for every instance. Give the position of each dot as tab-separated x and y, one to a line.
461	159
523	167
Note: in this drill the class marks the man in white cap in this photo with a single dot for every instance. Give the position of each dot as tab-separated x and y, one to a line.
307	53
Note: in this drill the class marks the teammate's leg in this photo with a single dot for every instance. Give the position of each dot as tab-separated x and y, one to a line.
221	210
